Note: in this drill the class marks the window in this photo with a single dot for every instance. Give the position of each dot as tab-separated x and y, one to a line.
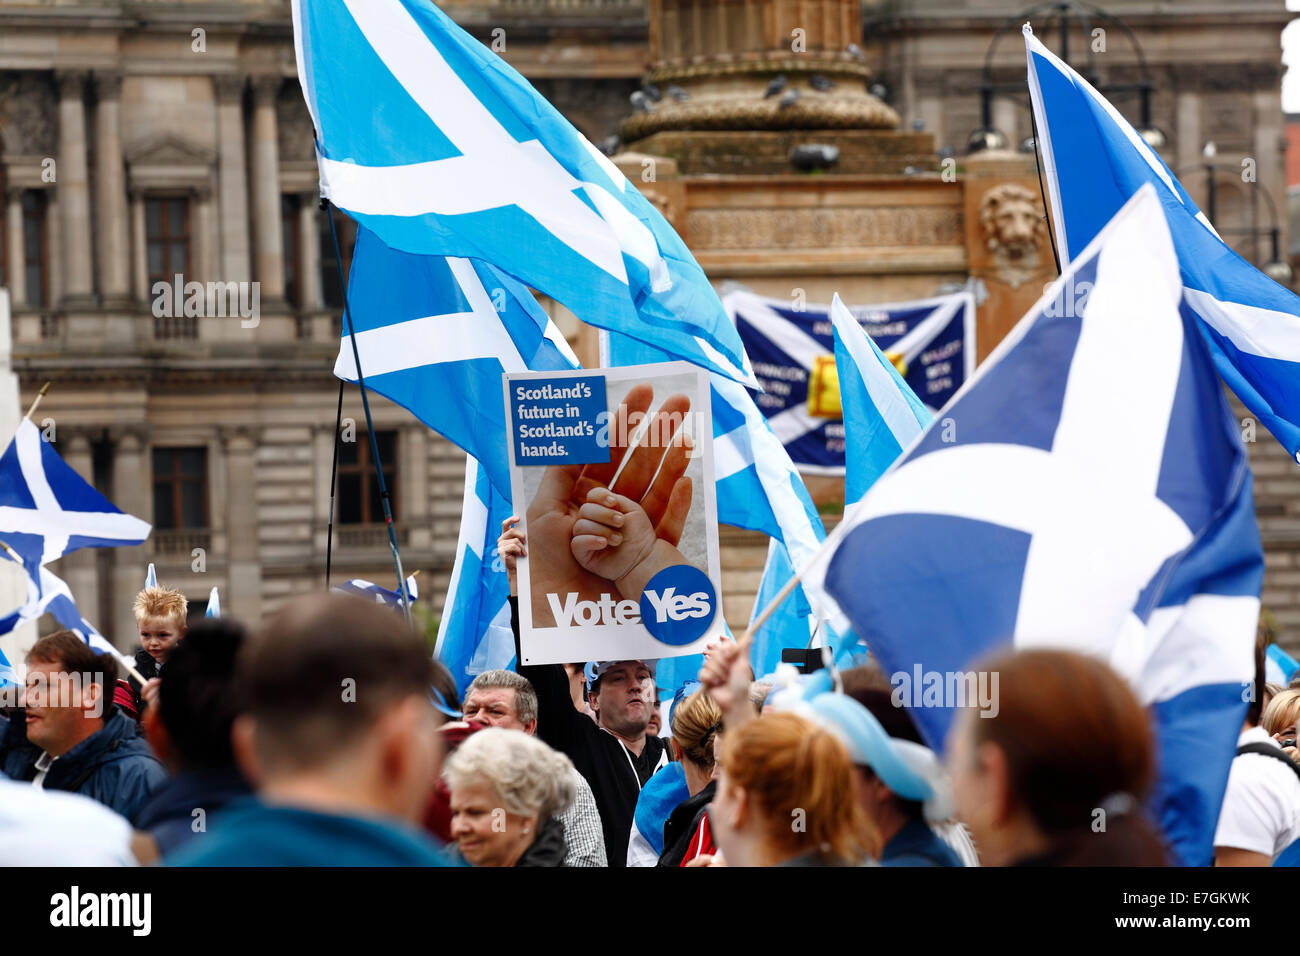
358	491
180	488
331	286
289	230
35	247
167	238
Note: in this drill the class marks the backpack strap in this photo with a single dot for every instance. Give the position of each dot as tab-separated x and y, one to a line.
1269	750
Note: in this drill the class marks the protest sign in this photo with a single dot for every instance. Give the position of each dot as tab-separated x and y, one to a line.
612	474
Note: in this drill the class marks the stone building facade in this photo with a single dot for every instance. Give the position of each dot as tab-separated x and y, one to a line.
141	140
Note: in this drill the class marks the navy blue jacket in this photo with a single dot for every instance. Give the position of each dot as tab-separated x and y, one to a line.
168	815
917	845
114	765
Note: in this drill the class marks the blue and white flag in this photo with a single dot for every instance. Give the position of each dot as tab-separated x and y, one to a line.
882	415
151	577
930	341
1094	162
52	595
214	603
757	487
360	587
474	633
435	334
1091	494
1279	666
48	510
440	147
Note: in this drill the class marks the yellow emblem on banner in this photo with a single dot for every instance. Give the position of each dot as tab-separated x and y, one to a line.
824	389
899	362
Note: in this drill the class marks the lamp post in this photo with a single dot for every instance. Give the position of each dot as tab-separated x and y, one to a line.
1277	268
1065	12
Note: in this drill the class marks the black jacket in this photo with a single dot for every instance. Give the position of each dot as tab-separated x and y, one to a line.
615	774
114	765
681	824
548	849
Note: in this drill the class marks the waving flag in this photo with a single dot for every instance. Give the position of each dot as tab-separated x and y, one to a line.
757	488
930	341
1092	494
214	604
474	632
47	510
882	415
360	587
1279	666
151	577
1094	162
437	145
434	335
53	595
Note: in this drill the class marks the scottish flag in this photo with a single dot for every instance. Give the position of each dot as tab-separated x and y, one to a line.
370	591
434	335
214	603
474	633
52	595
1087	490
882	415
48	510
438	146
1094	162
931	342
757	487
151	577
1279	666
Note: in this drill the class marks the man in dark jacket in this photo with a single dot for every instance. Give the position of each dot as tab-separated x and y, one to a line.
72	737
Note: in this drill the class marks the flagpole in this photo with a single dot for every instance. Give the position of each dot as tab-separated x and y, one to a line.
334	473
39	395
1051	227
370	425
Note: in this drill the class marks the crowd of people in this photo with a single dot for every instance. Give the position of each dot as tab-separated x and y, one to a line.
329	737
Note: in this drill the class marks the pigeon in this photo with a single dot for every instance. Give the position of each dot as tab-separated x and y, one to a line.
820	83
855	51
789	99
641	101
776	86
677	93
609	145
652	91
879	90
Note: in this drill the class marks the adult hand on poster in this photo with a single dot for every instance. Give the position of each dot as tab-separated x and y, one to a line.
658	498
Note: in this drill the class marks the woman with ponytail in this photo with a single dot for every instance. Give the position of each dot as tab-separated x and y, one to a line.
695	725
1057	775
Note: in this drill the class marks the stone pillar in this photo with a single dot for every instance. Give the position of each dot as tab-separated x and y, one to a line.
268	239
1270	156
313	296
111	226
16	267
413	460
53	244
139	261
132	492
244	570
73	186
231	179
1189	144
80	566
201	267
1006	119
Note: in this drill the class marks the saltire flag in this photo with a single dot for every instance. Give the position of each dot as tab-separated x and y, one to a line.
930	341
1092	494
757	487
1094	161
882	415
474	633
360	587
438	146
435	333
151	577
52	595
214	603
1279	666
48	510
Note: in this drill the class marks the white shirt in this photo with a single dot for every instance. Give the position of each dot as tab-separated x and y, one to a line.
1261	807
43	764
51	828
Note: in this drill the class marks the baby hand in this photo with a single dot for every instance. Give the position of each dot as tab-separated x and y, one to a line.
611	535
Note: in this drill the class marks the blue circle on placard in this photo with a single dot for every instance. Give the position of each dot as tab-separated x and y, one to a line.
678	605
